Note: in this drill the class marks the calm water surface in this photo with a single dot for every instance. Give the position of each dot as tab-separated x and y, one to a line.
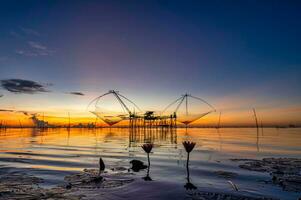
51	154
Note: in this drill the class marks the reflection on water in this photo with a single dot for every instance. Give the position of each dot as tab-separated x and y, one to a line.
54	153
157	136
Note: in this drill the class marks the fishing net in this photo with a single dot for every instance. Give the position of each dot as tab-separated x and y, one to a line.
188	109
112	107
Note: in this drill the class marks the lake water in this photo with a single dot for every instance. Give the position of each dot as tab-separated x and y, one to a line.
51	154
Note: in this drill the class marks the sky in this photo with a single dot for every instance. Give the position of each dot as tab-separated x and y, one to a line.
237	55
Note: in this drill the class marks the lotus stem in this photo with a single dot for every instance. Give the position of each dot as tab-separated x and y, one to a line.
187	166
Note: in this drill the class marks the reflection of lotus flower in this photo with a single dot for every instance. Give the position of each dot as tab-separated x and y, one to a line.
188	146
147	177
147	147
189	186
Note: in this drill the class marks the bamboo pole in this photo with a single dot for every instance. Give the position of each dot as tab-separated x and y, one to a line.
255	116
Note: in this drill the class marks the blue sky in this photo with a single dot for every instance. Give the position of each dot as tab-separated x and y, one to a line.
153	51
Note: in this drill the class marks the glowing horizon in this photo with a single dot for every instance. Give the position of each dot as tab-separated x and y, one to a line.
79	114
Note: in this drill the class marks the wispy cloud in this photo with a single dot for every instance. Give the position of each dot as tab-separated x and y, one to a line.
6	110
23	32
30	31
77	93
35	49
32	48
26	53
22	86
37	45
15	34
17	111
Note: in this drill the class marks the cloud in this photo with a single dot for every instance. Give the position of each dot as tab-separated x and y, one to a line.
24	32
25	113
32	48
22	86
77	93
1	95
26	53
36	49
15	34
17	111
37	45
30	31
5	110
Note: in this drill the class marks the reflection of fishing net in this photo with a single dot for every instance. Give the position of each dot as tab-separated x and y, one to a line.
188	109
113	107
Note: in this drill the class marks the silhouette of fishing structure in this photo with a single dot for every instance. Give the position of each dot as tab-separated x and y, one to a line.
41	124
120	108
